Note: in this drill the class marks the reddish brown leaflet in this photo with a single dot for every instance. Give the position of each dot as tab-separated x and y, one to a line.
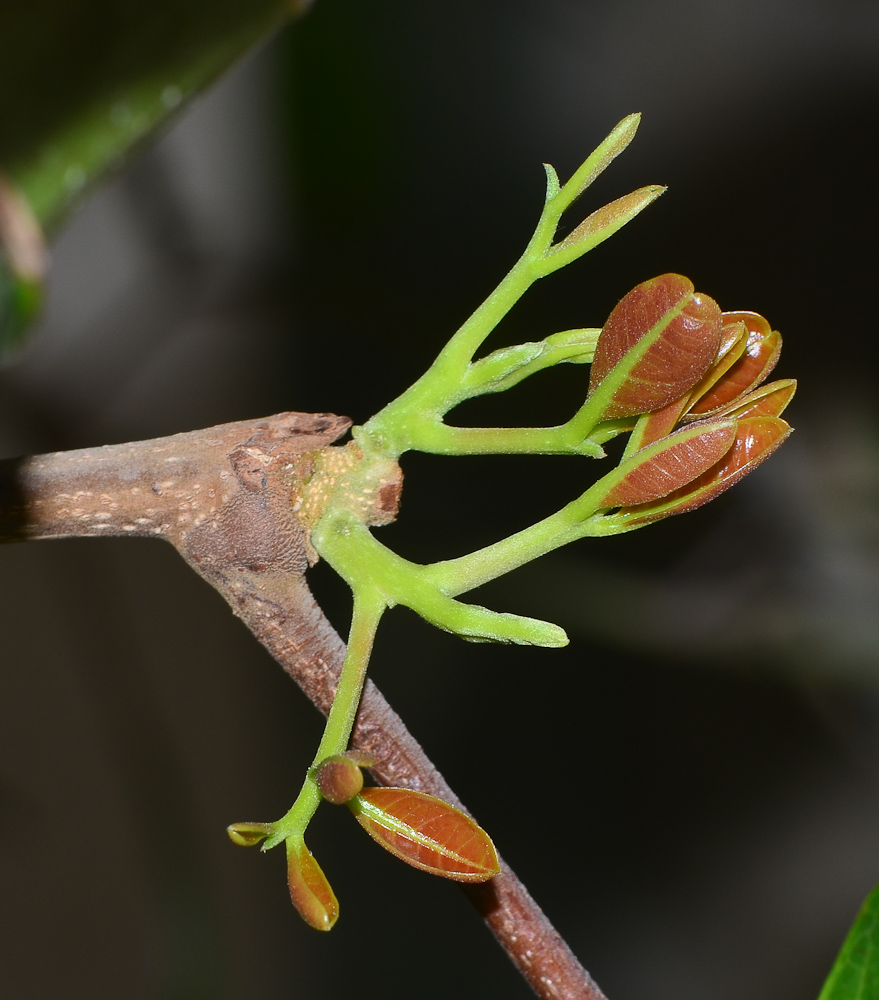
310	891
684	457
767	401
760	355
756	439
686	328
427	833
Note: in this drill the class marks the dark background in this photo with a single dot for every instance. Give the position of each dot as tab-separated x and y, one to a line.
305	237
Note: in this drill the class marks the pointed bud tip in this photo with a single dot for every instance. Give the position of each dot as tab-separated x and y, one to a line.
553	185
310	891
248	834
624	131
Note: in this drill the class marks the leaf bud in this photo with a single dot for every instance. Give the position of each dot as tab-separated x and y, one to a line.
757	437
658	342
248	834
310	891
339	777
669	464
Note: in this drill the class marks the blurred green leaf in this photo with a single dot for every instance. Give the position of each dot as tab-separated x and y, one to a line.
19	303
855	975
85	80
22	265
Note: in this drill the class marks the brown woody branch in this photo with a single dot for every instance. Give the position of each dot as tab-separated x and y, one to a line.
226	497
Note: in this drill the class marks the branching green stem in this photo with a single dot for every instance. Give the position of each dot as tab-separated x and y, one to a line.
378	577
414	420
369	606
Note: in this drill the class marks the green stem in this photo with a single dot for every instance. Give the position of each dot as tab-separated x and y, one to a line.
437	438
576	520
350	548
369	605
438	389
395	429
429	399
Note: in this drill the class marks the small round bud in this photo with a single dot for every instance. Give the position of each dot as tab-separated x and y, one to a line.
339	779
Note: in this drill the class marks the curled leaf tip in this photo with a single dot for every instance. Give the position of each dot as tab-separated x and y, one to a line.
553	185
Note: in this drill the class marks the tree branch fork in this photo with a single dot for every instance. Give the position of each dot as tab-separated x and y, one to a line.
231	500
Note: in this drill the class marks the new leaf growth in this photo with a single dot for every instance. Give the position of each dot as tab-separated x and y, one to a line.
681	378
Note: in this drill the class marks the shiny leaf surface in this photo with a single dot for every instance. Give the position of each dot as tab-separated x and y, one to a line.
760	355
734	340
657	344
427	833
768	401
756	439
311	893
670	464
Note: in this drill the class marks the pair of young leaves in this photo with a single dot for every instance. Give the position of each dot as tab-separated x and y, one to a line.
420	829
690	378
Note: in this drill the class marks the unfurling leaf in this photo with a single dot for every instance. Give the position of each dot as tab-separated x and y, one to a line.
729	385
658	342
602	224
670	464
652	427
311	893
248	834
855	974
767	401
339	778
756	439
752	365
427	833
